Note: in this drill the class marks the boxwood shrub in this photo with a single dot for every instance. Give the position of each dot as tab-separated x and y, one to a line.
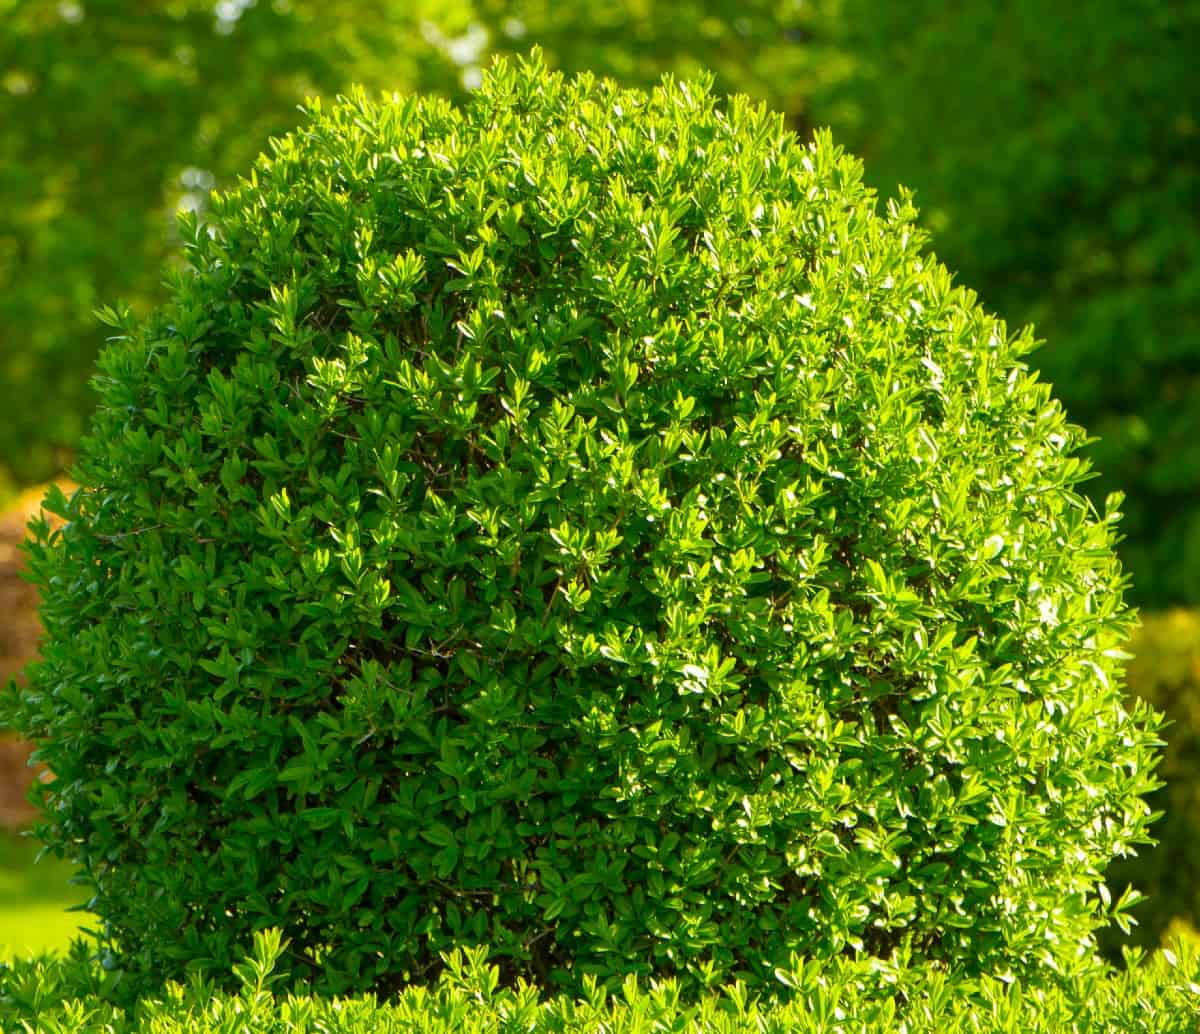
582	524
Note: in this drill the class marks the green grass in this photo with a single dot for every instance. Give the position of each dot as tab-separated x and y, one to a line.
33	901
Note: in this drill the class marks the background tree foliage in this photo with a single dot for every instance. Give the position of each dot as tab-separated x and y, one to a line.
1055	153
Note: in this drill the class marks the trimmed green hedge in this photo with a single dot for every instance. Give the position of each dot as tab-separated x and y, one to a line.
1161	996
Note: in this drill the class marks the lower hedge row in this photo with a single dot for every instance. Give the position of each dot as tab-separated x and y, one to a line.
1160	995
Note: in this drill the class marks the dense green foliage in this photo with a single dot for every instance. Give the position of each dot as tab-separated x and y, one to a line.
1165	672
582	525
1059	167
113	116
1161	996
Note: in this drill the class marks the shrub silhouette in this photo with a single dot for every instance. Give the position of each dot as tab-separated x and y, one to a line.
579	524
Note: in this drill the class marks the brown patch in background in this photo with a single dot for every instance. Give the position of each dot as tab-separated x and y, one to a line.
19	635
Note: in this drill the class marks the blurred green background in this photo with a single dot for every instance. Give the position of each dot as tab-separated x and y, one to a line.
1053	147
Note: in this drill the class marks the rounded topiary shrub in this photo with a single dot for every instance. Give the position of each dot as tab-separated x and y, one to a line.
579	525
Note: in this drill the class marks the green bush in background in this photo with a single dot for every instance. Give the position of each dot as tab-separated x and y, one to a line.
581	525
1165	672
1054	149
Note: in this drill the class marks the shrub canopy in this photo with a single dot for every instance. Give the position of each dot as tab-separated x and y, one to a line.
579	524
113	119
